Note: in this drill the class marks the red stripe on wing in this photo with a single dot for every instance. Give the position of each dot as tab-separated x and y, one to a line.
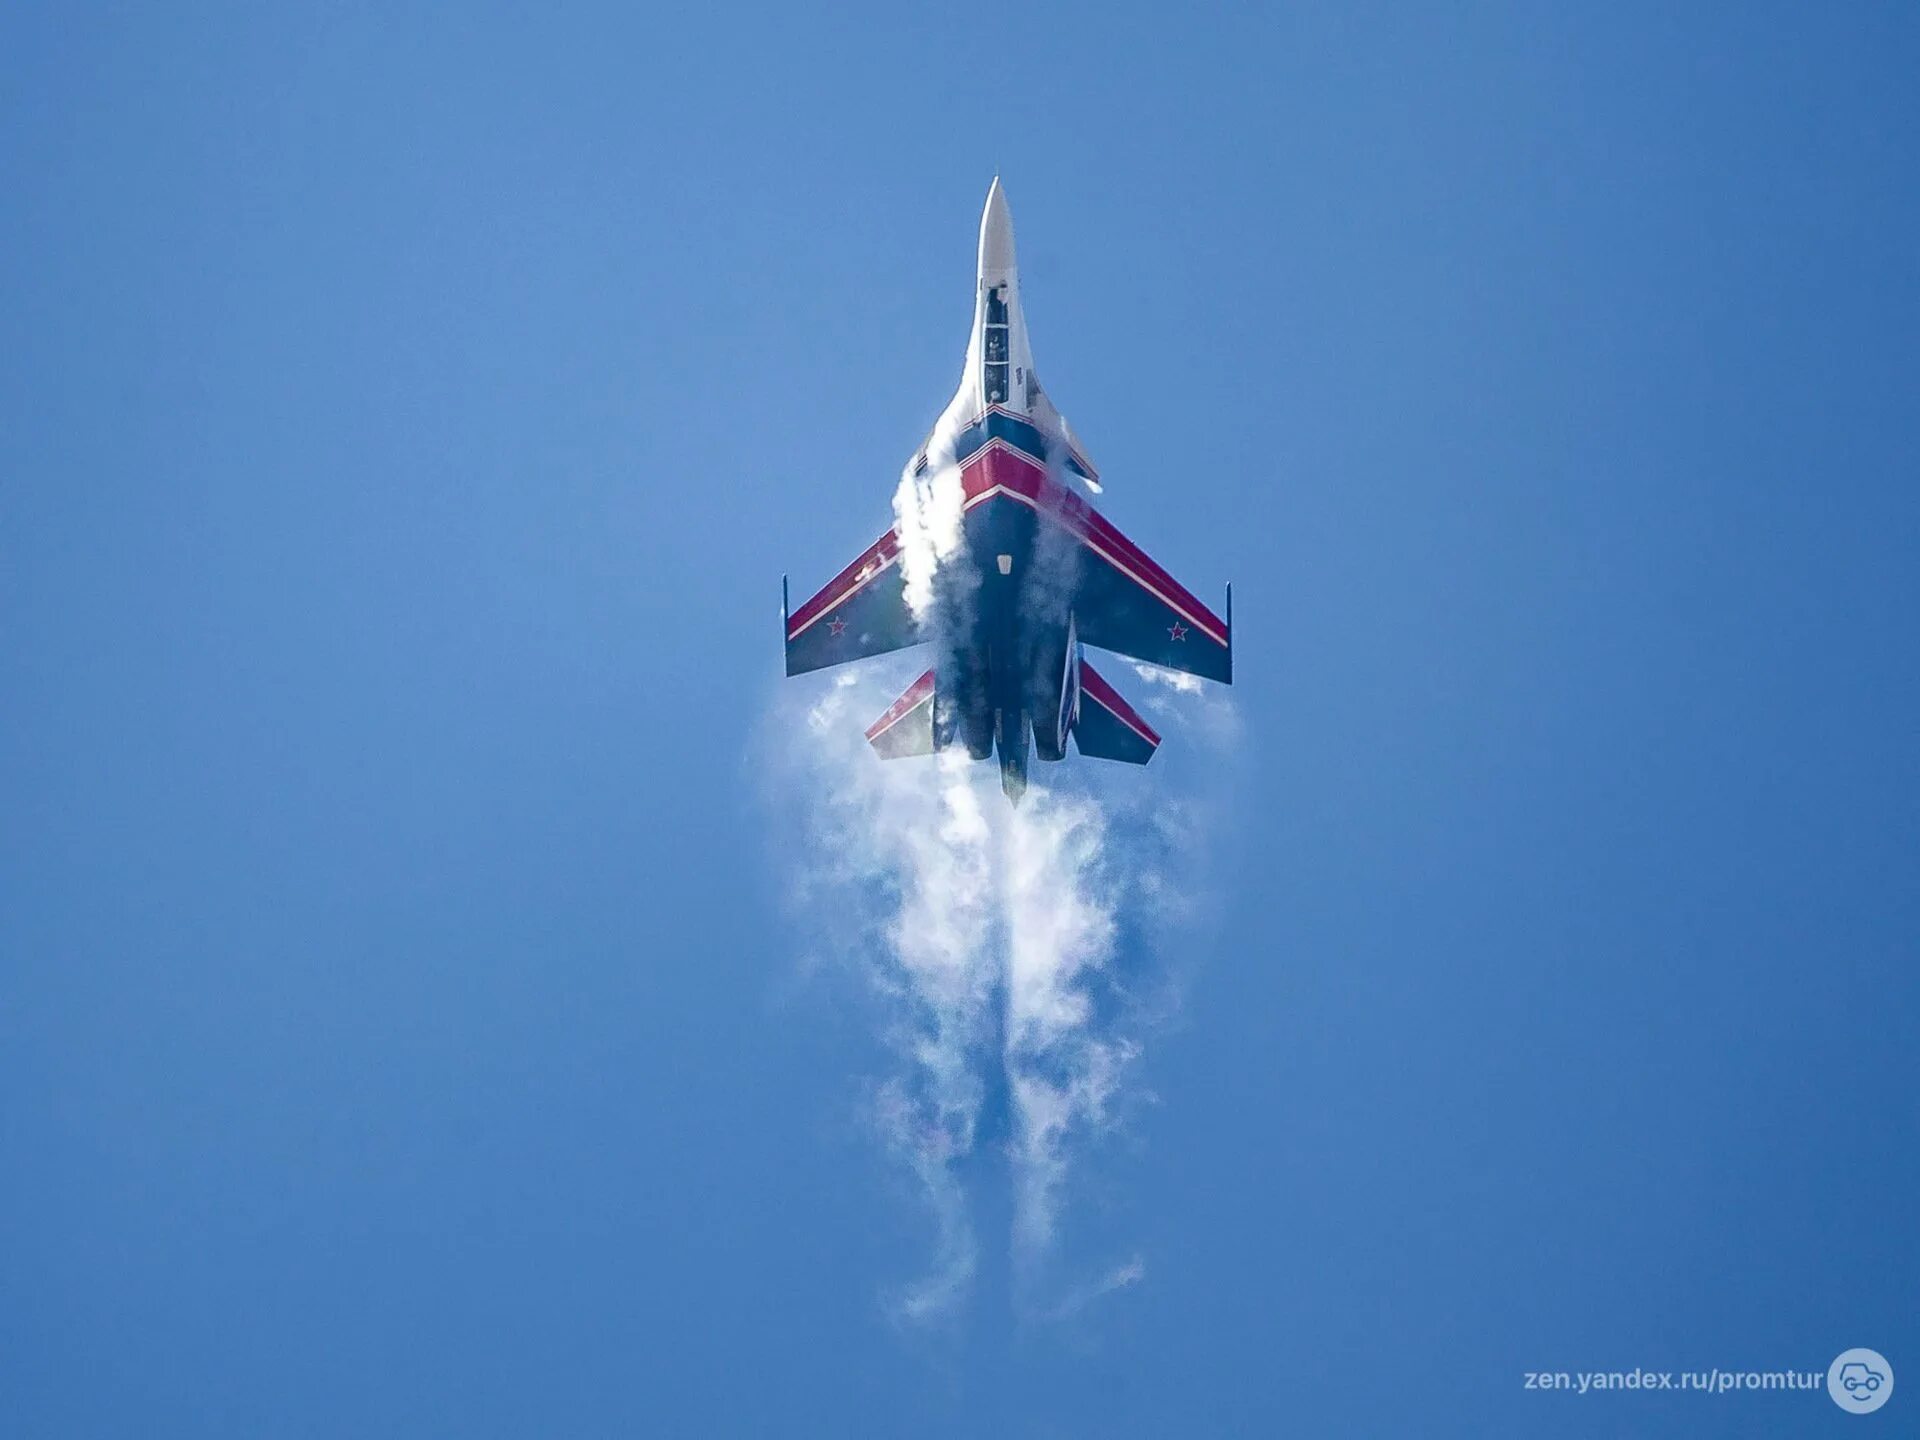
1095	687
916	695
1002	467
848	583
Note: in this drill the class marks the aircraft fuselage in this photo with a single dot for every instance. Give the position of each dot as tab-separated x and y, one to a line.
1031	573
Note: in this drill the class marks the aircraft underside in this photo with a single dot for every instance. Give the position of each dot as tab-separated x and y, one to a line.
1041	576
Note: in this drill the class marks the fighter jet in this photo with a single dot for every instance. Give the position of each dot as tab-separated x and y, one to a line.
1030	577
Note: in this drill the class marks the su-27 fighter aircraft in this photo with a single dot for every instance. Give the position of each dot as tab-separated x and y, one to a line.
1038	576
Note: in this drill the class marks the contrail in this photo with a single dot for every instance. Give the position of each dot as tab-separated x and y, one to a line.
901	875
990	936
928	510
1059	906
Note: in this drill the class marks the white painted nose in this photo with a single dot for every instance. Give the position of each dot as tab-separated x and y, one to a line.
996	235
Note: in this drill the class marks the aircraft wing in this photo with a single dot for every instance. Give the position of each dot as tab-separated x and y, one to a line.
861	612
1125	603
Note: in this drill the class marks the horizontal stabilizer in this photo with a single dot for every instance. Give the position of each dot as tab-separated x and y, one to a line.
907	727
1108	728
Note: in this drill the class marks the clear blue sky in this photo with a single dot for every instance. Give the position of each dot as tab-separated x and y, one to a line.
404	423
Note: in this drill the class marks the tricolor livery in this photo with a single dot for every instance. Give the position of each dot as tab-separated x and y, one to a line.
1033	576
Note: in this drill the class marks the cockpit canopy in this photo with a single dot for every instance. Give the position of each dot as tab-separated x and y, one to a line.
997	347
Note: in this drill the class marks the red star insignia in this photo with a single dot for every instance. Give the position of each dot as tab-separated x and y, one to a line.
836	625
1177	630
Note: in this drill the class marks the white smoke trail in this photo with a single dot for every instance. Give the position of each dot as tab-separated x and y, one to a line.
929	510
1060	927
1172	679
904	850
990	935
1128	1273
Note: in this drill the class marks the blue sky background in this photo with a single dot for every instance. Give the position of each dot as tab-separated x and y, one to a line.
404	423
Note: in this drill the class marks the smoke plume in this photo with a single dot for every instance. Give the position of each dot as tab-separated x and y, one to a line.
990	937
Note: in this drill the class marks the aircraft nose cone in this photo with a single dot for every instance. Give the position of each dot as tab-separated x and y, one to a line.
996	233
